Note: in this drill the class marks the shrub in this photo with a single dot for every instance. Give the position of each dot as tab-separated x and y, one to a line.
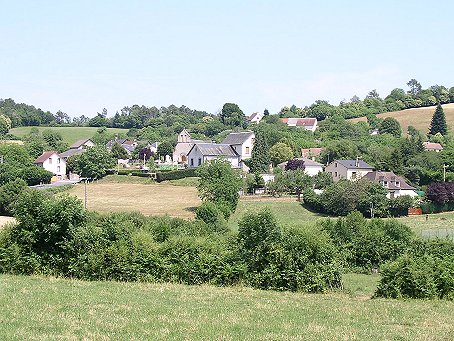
209	213
176	174
9	193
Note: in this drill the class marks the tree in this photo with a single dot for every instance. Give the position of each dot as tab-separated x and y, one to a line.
266	112
280	152
373	94
232	115
118	151
415	87
391	126
93	163
260	158
219	183
438	124
5	124
165	148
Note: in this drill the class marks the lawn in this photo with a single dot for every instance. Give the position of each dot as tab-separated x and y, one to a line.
69	134
38	308
438	224
419	118
125	194
287	210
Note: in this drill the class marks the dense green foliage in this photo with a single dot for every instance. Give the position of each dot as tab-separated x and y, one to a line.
93	164
219	183
175	175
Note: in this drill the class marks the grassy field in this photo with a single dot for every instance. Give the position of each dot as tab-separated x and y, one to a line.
435	225
417	117
287	210
69	134
37	308
118	194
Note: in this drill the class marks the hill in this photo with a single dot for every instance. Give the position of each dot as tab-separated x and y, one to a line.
417	117
69	134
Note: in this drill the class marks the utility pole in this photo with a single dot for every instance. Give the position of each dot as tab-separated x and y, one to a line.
444	172
86	194
1	159
372	210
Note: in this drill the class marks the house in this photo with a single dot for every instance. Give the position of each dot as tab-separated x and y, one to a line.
71	152
431	146
128	145
54	163
242	143
309	166
203	152
306	123
82	144
183	146
256	117
311	153
395	184
348	169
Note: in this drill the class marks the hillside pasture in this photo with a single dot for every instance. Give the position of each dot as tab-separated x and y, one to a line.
149	199
419	118
46	308
69	134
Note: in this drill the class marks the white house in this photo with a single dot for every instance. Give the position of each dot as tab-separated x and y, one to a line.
348	169
242	143
431	146
309	123
54	163
82	144
183	146
309	166
256	117
395	184
203	152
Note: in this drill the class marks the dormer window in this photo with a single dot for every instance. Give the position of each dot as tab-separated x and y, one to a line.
397	184
335	164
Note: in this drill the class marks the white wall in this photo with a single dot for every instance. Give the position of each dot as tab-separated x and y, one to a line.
199	159
313	170
56	165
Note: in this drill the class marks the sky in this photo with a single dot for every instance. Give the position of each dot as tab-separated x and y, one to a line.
82	56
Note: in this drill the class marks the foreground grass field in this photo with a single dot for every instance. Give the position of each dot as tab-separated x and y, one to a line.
417	117
5	220
69	134
35	308
139	195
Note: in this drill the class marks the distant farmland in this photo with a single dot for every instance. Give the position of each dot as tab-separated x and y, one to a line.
417	117
69	134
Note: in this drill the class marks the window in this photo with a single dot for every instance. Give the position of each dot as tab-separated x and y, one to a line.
247	150
200	161
58	169
50	161
58	160
192	162
397	184
335	174
353	175
335	165
385	183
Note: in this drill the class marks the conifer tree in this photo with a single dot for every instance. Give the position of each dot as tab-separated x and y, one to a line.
260	158
438	124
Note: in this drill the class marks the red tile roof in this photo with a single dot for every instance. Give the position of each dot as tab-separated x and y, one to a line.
306	122
44	157
432	146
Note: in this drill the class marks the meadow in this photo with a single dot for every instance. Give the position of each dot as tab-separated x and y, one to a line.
69	134
40	308
419	118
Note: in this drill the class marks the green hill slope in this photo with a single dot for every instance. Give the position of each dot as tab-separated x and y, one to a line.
69	134
417	117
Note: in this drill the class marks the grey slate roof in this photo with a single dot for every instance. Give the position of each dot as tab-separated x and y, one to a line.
352	164
214	149
71	152
237	138
391	179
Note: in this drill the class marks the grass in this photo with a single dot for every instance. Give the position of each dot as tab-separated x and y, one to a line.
37	308
4	220
190	181
435	223
417	117
69	134
287	210
116	194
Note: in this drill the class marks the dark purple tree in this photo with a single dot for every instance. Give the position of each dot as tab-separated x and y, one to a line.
295	164
438	192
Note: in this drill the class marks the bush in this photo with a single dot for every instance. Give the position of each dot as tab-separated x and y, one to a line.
400	205
209	213
9	193
176	174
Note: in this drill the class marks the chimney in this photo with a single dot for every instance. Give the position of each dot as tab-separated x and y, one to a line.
357	162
